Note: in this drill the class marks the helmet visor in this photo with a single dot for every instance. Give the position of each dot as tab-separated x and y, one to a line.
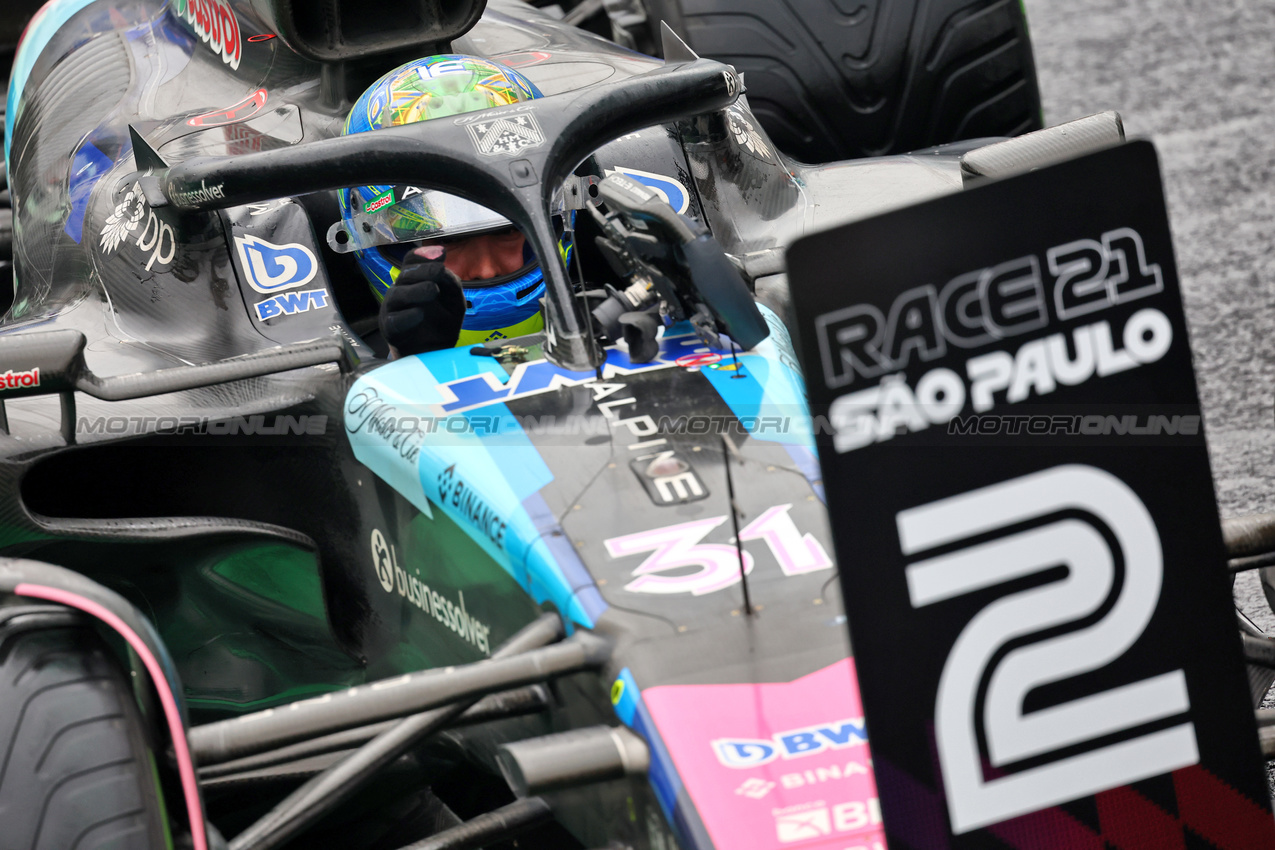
387	215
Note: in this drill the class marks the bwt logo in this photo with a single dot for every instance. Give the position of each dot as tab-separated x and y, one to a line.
672	191
289	303
271	268
798	743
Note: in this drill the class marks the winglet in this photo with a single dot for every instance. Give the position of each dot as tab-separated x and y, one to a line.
143	154
675	50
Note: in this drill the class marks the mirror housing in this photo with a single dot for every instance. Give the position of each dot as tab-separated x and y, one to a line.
342	30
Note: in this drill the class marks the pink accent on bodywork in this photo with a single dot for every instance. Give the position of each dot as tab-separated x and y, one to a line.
185	765
677	546
817	794
795	552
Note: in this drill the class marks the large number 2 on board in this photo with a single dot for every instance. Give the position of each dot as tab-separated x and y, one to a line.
1077	544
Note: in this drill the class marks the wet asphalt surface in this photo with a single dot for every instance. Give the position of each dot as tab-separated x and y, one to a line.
1198	78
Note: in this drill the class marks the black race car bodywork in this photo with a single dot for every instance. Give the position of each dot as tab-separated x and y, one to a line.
196	421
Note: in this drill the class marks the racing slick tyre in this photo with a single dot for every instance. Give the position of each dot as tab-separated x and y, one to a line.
832	80
75	771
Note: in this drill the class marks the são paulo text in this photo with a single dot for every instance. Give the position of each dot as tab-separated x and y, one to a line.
1040	366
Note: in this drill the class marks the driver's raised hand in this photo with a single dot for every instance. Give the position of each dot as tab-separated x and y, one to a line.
424	309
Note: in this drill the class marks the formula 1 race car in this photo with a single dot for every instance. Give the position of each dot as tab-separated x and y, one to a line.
263	584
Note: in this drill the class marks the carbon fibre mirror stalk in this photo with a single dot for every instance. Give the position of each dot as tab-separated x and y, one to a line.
53	362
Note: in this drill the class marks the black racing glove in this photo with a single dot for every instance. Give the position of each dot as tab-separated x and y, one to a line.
425	307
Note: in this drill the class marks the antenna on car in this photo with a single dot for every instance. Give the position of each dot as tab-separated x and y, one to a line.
735	360
732	452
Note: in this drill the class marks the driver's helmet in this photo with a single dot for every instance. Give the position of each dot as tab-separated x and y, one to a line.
401	216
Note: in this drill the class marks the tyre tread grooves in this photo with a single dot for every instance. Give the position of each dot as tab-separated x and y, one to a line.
22	717
105	822
67	780
887	76
75	761
57	736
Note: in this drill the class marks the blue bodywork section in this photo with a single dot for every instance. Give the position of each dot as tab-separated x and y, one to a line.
633	713
89	165
770	398
468	463
663	777
437	428
674	191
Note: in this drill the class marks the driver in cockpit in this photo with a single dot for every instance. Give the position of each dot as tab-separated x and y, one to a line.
447	271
